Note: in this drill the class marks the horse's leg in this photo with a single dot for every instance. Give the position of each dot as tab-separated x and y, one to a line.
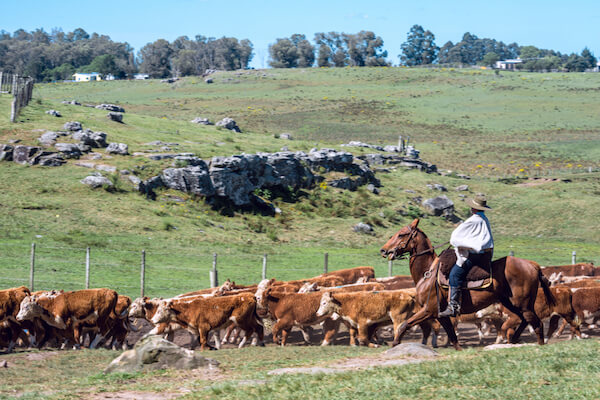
422	315
449	328
426	329
508	327
531	318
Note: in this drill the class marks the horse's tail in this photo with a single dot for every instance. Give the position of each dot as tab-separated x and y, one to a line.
545	283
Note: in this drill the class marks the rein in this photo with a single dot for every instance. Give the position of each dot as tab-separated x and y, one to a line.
429	249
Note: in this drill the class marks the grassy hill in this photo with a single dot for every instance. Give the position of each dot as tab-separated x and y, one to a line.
498	128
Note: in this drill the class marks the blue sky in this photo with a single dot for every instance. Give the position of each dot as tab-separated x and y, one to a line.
566	26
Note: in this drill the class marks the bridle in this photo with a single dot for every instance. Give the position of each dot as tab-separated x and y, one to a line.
413	232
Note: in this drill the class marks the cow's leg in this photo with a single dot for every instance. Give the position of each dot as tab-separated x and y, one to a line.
530	318
275	332
306	333
479	332
217	339
284	335
363	334
352	333
11	345
330	328
228	333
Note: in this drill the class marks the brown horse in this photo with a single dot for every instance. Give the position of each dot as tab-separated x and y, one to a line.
515	284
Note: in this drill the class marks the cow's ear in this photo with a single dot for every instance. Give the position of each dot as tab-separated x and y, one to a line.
415	223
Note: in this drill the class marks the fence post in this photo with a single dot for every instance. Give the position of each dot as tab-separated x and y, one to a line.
14	106
143	274
574	257
87	268
511	253
264	269
214	279
32	267
390	267
326	263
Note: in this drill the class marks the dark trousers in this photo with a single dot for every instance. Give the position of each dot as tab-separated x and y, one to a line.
458	275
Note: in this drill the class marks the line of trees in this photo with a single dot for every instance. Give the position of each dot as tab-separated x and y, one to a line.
57	55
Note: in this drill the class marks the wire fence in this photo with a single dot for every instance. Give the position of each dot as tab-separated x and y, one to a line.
21	87
155	273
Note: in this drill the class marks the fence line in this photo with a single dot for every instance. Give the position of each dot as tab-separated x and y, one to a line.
46	269
21	87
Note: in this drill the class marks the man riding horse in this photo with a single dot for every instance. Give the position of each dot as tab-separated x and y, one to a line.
474	245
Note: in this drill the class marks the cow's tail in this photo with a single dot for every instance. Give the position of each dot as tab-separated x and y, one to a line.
545	284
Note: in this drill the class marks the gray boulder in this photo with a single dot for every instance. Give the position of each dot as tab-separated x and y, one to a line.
237	177
118	148
462	188
72	126
153	352
437	186
48	138
96	181
54	113
195	180
391	149
110	107
51	160
285	169
24	154
71	102
229	123
201	121
410	350
361	227
135	181
150	185
115	116
371	188
440	205
91	138
6	152
69	150
285	136
344	183
208	80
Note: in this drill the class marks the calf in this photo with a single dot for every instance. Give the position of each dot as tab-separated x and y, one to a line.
72	310
581	269
202	315
350	275
586	305
396	282
364	311
10	300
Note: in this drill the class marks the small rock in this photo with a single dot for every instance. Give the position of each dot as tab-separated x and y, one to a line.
285	136
94	181
48	138
462	188
115	116
54	113
70	150
110	107
463	176
361	227
371	188
3	364
285	148
409	191
208	80
201	121
440	205
437	186
118	148
410	349
229	123
72	126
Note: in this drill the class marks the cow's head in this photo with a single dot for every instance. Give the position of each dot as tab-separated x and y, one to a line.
261	292
400	242
29	309
309	287
138	307
328	305
164	312
122	306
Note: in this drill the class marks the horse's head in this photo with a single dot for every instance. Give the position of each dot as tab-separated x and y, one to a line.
401	242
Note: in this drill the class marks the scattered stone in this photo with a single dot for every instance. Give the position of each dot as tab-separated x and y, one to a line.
158	157
411	152
391	149
71	102
361	227
229	123
95	181
91	138
169	80
153	352
462	188
69	150
440	205
106	168
285	148
72	126
110	107
437	186
201	121
409	191
208	80
6	152
118	148
285	136
115	116
14	141
463	176
86	164
195	180
94	156
135	181
355	143
54	113
371	188
24	154
48	139
411	350
50	160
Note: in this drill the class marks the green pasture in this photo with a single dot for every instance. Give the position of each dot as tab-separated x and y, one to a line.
565	370
500	129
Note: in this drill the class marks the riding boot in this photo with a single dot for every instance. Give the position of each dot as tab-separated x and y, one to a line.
453	308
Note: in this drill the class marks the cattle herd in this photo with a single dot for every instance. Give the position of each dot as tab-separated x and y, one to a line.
230	313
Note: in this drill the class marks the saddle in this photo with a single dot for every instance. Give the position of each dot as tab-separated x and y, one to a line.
477	278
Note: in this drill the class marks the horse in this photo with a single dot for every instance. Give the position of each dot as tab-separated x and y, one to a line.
514	284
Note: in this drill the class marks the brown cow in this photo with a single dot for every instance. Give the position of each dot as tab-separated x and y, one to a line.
202	315
10	300
72	310
586	305
581	269
349	275
396	282
364	310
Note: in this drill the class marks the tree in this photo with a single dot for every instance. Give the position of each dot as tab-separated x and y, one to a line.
589	58
306	51
156	59
419	48
529	52
324	55
490	59
104	64
331	49
284	54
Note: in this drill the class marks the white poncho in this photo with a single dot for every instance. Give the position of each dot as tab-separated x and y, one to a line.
474	234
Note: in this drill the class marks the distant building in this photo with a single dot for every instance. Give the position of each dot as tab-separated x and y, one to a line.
508	64
141	76
87	77
109	77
